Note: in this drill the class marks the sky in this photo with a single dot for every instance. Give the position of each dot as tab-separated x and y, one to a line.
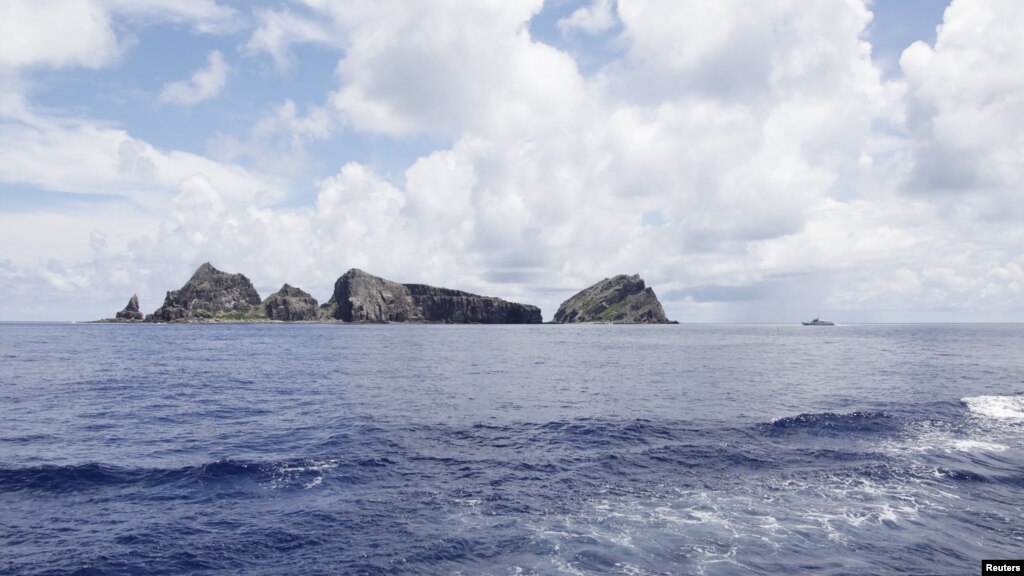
753	161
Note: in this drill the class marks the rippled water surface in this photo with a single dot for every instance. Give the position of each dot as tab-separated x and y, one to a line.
398	449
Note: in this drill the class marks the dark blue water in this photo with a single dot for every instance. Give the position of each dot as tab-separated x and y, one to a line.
328	449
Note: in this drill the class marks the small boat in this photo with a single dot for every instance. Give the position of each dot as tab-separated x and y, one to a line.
819	322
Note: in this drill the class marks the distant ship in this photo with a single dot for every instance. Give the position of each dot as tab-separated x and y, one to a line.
819	322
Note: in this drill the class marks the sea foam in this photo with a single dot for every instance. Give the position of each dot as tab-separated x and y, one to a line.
1002	407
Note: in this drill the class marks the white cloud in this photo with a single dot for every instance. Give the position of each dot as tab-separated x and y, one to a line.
277	142
594	18
76	156
278	30
316	125
204	84
740	51
438	68
206	16
966	107
56	33
469	65
64	33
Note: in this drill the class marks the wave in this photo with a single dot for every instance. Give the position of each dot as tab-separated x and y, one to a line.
606	432
1000	407
65	478
833	424
307	472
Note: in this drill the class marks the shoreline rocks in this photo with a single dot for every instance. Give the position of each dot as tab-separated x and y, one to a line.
621	299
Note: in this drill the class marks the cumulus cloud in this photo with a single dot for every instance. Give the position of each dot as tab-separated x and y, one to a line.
75	156
204	84
966	106
594	18
63	33
56	33
471	65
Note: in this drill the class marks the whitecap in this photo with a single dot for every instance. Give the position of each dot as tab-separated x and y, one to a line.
288	474
1001	407
973	445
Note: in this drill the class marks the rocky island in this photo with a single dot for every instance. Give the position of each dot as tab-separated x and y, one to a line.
620	300
291	304
211	295
362	297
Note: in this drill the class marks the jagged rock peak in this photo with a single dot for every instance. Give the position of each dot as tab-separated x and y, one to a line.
363	297
289	290
291	304
622	299
210	294
131	311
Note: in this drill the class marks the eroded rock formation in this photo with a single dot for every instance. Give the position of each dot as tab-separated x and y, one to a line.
131	312
211	294
290	304
622	299
362	297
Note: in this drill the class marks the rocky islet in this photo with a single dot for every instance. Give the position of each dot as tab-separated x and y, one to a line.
210	294
291	304
363	297
620	299
131	312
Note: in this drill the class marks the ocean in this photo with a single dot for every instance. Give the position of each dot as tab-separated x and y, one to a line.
550	449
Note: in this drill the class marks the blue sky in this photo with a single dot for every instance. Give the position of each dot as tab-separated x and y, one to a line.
754	162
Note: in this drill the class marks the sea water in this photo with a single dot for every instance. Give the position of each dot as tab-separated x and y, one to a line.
426	449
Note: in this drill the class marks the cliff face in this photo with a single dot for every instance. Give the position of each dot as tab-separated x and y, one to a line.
362	297
290	304
210	294
622	300
131	311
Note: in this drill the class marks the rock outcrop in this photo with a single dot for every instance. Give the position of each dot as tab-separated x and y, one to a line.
131	312
209	295
290	304
328	310
362	297
621	300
